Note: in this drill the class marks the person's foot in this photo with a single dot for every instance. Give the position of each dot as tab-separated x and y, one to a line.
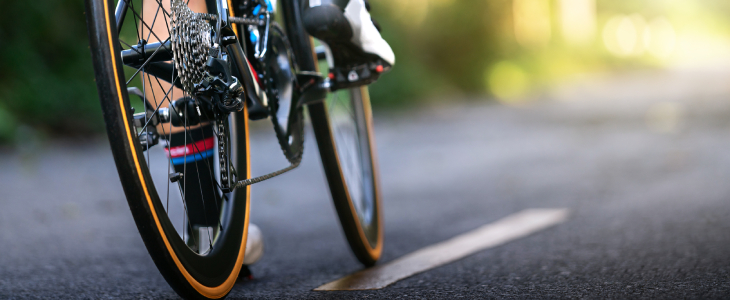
360	53
254	245
254	252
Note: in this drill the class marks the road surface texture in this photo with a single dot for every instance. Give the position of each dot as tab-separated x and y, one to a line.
642	161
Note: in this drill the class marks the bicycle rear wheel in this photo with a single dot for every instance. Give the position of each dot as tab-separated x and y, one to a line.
198	247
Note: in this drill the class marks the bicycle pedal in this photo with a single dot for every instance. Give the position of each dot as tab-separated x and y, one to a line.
313	88
358	75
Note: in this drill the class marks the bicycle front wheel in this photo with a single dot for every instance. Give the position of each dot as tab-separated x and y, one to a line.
343	127
194	230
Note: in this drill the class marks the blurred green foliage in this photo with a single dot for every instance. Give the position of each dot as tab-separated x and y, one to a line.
46	76
469	47
444	51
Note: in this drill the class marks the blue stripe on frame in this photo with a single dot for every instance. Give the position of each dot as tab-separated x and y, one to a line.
191	158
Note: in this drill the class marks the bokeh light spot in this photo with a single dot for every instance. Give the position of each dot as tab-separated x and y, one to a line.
623	35
532	22
578	21
626	36
507	81
660	38
609	34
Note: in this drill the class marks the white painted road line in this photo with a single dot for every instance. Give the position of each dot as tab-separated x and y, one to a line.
491	235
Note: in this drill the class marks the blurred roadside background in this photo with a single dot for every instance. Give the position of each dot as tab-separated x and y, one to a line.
497	50
618	110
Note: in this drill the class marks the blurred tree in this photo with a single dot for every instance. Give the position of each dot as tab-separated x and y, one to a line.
443	50
46	76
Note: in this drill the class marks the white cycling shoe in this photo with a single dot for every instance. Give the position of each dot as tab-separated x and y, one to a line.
254	251
360	53
254	245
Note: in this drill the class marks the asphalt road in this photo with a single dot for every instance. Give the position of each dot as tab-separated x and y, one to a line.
642	161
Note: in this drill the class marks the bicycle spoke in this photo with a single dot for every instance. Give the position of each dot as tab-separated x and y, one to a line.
169	138
165	14
145	25
169	166
166	98
130	47
209	167
185	170
212	177
147	144
154	20
181	189
197	151
136	18
156	111
205	214
349	146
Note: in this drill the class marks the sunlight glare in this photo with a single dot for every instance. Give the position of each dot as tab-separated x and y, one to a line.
578	21
660	38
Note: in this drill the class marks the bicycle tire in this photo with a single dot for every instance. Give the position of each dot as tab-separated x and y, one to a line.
365	237
190	274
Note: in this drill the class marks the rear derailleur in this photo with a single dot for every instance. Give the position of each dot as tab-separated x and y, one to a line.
216	95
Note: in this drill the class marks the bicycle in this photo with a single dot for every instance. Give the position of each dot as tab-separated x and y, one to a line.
238	62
